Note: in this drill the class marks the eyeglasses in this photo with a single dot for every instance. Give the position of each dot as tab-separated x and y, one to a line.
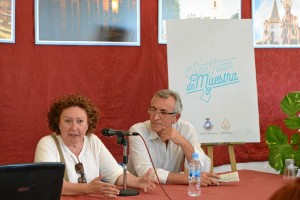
162	114
80	170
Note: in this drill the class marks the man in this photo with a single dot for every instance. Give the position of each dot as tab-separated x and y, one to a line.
170	142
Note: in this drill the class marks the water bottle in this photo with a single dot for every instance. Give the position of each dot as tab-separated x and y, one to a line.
194	189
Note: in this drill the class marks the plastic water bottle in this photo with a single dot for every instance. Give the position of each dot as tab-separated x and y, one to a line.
194	189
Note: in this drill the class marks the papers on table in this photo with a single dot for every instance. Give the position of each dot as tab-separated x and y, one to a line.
229	177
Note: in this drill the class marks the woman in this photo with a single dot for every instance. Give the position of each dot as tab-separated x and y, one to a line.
90	167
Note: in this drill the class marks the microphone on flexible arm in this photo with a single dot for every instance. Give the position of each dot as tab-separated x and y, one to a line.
119	133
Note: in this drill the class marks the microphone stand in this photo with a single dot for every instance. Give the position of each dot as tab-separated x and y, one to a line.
125	192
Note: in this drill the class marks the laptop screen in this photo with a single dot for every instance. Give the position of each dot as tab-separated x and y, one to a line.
42	181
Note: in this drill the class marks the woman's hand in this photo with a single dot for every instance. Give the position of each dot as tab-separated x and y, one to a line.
96	186
146	182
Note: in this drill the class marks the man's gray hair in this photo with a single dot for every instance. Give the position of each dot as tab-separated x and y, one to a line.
165	93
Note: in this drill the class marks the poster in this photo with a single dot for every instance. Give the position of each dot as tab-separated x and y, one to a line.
75	22
276	23
7	21
204	9
211	65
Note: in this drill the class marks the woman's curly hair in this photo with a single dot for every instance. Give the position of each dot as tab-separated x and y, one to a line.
290	191
68	101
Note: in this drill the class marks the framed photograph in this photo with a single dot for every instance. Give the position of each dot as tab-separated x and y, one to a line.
7	21
88	22
276	23
204	9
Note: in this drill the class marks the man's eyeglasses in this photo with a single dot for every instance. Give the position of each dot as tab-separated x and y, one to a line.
80	170
162	114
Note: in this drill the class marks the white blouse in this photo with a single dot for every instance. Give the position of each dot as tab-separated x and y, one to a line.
94	156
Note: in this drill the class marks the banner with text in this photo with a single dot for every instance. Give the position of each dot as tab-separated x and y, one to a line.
211	65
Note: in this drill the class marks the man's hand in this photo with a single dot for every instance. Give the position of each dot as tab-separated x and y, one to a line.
169	133
208	178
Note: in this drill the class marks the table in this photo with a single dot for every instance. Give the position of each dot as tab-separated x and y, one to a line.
252	185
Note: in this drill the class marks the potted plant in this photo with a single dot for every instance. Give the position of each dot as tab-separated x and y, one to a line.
280	145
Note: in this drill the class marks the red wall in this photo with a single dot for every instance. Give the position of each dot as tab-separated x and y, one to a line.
120	80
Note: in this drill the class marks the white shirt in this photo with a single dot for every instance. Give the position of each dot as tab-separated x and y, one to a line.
94	156
166	158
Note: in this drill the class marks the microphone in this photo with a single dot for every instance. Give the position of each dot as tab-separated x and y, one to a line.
119	133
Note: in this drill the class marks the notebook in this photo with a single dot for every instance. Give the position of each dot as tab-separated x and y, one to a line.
30	181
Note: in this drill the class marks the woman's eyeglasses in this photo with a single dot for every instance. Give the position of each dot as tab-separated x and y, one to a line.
80	170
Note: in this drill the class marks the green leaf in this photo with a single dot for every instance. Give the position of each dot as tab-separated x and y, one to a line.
297	158
292	122
278	154
290	104
274	135
295	139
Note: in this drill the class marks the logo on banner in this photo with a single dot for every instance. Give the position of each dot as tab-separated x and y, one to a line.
208	125
206	77
225	125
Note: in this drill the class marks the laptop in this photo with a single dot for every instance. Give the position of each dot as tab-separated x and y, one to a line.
30	181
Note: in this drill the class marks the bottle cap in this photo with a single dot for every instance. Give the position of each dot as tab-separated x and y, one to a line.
195	155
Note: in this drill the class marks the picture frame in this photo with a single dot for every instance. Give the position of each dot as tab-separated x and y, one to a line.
7	21
204	9
275	23
89	22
